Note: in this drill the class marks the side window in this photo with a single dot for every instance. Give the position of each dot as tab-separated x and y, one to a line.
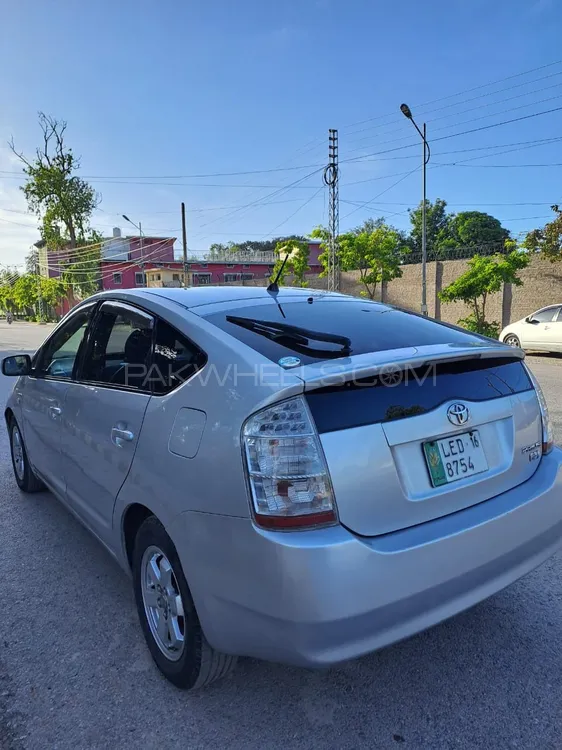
558	315
544	316
176	359
119	347
58	356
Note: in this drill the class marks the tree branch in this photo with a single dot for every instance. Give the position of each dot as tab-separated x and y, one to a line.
20	155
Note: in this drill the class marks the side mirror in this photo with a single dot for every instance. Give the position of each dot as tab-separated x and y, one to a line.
19	364
530	319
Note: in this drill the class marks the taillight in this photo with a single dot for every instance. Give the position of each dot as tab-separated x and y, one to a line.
547	433
287	472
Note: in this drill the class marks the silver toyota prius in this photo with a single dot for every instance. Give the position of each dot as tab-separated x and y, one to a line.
297	476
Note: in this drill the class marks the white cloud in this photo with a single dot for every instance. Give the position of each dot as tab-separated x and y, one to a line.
18	229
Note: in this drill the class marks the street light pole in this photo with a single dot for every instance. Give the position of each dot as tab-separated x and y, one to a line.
425	159
141	247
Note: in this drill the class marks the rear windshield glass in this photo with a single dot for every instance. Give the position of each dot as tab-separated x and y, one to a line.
368	327
407	393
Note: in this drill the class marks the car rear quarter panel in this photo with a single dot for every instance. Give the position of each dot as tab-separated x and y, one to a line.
235	382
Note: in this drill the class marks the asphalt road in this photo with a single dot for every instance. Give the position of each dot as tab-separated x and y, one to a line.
75	673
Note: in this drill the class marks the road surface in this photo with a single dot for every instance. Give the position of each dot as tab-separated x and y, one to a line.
75	673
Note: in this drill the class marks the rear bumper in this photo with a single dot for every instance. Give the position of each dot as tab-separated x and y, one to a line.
321	597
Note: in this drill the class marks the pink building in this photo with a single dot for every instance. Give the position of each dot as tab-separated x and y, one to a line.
120	272
124	258
120	258
239	269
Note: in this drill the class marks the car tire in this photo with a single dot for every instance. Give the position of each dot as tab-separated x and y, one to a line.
512	340
191	662
26	479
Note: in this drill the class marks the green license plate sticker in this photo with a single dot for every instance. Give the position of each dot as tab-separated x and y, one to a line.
435	464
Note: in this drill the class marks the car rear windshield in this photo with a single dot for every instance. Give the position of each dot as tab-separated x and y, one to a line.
362	326
407	393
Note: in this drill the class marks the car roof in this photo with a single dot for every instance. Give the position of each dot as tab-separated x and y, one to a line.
210	295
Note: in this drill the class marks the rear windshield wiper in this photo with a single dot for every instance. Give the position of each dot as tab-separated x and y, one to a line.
298	337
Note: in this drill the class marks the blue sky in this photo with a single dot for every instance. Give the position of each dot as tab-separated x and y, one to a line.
173	89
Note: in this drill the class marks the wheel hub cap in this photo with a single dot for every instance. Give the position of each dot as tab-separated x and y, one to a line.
17	452
163	604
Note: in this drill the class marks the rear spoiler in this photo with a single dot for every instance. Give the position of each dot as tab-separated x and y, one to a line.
336	372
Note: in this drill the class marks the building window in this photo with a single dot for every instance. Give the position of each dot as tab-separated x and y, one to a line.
230	265
158	277
247	276
175	277
204	265
203	278
117	278
231	276
140	279
245	265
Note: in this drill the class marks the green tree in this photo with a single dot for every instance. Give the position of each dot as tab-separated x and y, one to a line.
475	229
26	291
53	290
485	276
377	255
8	278
437	226
63	201
82	273
323	234
369	225
297	262
547	240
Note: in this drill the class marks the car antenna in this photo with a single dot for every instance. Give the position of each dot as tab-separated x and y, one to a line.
273	288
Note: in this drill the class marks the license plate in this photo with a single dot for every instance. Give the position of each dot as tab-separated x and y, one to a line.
454	458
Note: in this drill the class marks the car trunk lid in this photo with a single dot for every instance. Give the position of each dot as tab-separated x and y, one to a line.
385	419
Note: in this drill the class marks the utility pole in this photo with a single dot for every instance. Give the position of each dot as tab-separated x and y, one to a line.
141	253
331	179
39	297
184	241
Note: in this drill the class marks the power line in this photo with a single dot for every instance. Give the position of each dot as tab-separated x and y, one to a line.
312	197
473	119
172	184
497	166
466	101
531	144
182	176
455	135
459	93
262	200
363	205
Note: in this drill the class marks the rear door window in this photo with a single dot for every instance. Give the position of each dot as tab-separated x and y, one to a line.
119	347
368	327
176	359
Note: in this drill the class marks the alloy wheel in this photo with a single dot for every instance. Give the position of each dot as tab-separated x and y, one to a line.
17	453
511	341
163	603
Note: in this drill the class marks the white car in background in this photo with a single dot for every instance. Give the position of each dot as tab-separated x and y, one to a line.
542	330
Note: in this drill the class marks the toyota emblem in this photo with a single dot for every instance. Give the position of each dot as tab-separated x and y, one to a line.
458	414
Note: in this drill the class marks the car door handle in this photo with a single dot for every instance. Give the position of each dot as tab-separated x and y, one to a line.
546	328
55	411
121	436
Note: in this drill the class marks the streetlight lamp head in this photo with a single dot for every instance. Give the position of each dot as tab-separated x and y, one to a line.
125	217
406	111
